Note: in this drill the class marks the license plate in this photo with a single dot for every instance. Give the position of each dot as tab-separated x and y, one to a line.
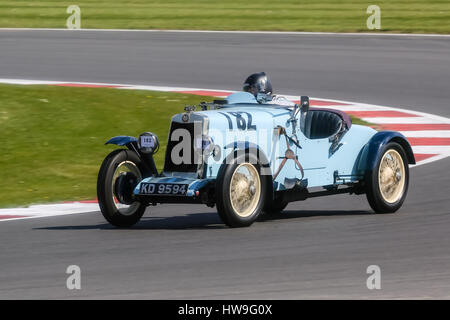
164	189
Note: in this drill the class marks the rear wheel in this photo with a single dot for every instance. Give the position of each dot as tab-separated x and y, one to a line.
120	172
387	184
240	192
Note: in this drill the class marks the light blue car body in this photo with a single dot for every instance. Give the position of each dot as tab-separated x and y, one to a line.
238	127
321	167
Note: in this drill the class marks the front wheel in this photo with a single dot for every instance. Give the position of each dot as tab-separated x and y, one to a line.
240	192
120	172
387	184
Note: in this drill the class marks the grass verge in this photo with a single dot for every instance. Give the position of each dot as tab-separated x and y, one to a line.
52	138
409	16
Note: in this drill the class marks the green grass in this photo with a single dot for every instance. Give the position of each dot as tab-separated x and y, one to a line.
52	138
362	122
409	16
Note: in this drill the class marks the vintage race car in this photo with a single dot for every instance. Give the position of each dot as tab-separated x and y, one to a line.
248	158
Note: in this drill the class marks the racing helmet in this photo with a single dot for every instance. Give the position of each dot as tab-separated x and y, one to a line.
257	83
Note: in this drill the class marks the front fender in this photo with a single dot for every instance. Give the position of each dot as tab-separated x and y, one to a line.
249	147
379	140
131	144
121	140
245	147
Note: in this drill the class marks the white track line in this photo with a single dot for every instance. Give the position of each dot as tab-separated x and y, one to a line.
294	33
435	158
427	134
31	82
432	149
49	210
359	107
405	120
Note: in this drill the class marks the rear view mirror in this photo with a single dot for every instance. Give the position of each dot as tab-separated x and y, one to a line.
304	103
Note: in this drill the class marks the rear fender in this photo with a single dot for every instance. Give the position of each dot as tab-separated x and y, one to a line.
375	146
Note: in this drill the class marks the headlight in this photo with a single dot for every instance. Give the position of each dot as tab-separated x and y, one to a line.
148	143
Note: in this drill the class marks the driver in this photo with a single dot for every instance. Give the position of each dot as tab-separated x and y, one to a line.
258	84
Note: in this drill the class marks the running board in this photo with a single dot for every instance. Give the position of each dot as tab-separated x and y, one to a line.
299	194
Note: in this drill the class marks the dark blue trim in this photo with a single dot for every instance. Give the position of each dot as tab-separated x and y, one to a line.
121	140
380	139
263	160
246	145
249	146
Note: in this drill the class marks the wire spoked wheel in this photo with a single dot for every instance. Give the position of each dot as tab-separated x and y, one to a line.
119	174
245	189
125	177
240	191
391	176
387	183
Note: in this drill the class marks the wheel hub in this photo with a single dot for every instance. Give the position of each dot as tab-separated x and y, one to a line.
391	176
245	189
123	187
126	176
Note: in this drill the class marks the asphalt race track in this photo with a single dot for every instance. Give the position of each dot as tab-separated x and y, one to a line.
319	248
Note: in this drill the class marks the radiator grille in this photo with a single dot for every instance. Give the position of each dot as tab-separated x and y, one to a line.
172	164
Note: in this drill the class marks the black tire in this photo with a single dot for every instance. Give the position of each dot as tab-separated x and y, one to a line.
105	190
223	200
377	201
